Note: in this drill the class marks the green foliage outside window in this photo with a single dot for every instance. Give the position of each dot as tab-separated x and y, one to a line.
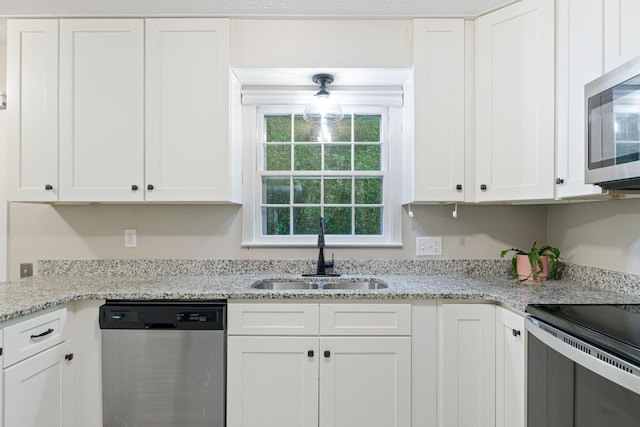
320	172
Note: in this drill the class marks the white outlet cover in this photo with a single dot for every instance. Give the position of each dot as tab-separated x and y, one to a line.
130	238
428	246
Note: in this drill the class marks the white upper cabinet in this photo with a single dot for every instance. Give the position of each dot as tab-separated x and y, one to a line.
32	87
437	155
515	107
621	32
101	109
579	61
188	152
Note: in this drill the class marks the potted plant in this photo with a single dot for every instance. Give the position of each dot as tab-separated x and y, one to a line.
537	264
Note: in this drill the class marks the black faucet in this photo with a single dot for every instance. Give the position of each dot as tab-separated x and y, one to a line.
323	265
321	271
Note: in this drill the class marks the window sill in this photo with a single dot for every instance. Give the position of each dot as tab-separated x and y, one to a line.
315	245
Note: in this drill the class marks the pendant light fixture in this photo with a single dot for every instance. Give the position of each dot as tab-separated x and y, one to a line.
323	108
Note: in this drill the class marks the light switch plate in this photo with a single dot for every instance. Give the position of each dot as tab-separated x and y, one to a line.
426	246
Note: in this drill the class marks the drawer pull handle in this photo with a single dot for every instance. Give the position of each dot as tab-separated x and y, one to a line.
515	332
310	353
327	353
68	357
45	333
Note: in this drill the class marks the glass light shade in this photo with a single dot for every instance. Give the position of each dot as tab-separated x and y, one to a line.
323	108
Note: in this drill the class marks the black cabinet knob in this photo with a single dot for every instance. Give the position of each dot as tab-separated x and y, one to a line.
559	181
149	187
327	353
459	187
515	332
310	353
483	187
68	357
48	187
134	187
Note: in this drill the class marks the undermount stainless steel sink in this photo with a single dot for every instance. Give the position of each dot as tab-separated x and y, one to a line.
356	284
276	285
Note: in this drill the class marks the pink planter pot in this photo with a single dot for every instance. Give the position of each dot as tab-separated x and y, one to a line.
524	269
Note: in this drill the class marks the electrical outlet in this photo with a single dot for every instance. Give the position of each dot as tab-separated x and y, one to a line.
130	238
428	246
26	270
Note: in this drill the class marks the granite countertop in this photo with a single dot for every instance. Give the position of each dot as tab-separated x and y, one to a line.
29	295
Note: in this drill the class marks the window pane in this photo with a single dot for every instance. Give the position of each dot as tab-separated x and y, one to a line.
307	157
337	191
276	191
278	157
306	220
337	220
368	221
306	190
341	131
277	221
304	131
367	157
368	191
366	128
278	128
337	157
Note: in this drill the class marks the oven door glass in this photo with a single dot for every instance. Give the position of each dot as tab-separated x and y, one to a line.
562	393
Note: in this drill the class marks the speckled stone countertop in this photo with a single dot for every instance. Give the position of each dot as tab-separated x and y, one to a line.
61	284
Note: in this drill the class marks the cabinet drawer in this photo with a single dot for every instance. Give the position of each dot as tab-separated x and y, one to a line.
34	334
365	319
273	319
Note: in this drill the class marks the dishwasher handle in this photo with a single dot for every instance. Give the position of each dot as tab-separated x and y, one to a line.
160	326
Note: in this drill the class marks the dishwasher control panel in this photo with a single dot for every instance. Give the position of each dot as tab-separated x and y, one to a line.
162	315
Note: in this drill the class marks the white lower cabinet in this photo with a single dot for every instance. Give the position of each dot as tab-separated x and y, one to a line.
467	365
317	380
510	369
38	371
38	390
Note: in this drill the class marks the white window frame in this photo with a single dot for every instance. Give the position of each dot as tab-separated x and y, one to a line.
391	153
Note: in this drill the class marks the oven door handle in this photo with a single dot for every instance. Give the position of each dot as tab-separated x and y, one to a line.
584	354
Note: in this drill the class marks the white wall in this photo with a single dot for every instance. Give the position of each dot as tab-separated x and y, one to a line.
3	170
42	231
598	234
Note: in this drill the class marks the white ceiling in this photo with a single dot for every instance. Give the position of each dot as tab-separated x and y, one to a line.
247	8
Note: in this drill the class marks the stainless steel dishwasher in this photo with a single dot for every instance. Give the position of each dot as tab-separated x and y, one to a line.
163	364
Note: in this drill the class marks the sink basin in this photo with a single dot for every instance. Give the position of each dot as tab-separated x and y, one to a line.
356	284
283	285
277	285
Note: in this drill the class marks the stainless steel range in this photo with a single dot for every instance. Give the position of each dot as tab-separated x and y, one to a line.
583	365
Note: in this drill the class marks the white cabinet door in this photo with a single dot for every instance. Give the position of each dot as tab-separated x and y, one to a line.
101	109
579	51
510	369
272	381
365	382
467	365
515	107
622	32
32	90
1	384
437	158
39	390
188	142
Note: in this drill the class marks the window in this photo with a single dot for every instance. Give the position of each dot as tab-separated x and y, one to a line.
304	171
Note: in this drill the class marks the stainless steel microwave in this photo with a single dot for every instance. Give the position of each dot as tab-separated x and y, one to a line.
613	128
